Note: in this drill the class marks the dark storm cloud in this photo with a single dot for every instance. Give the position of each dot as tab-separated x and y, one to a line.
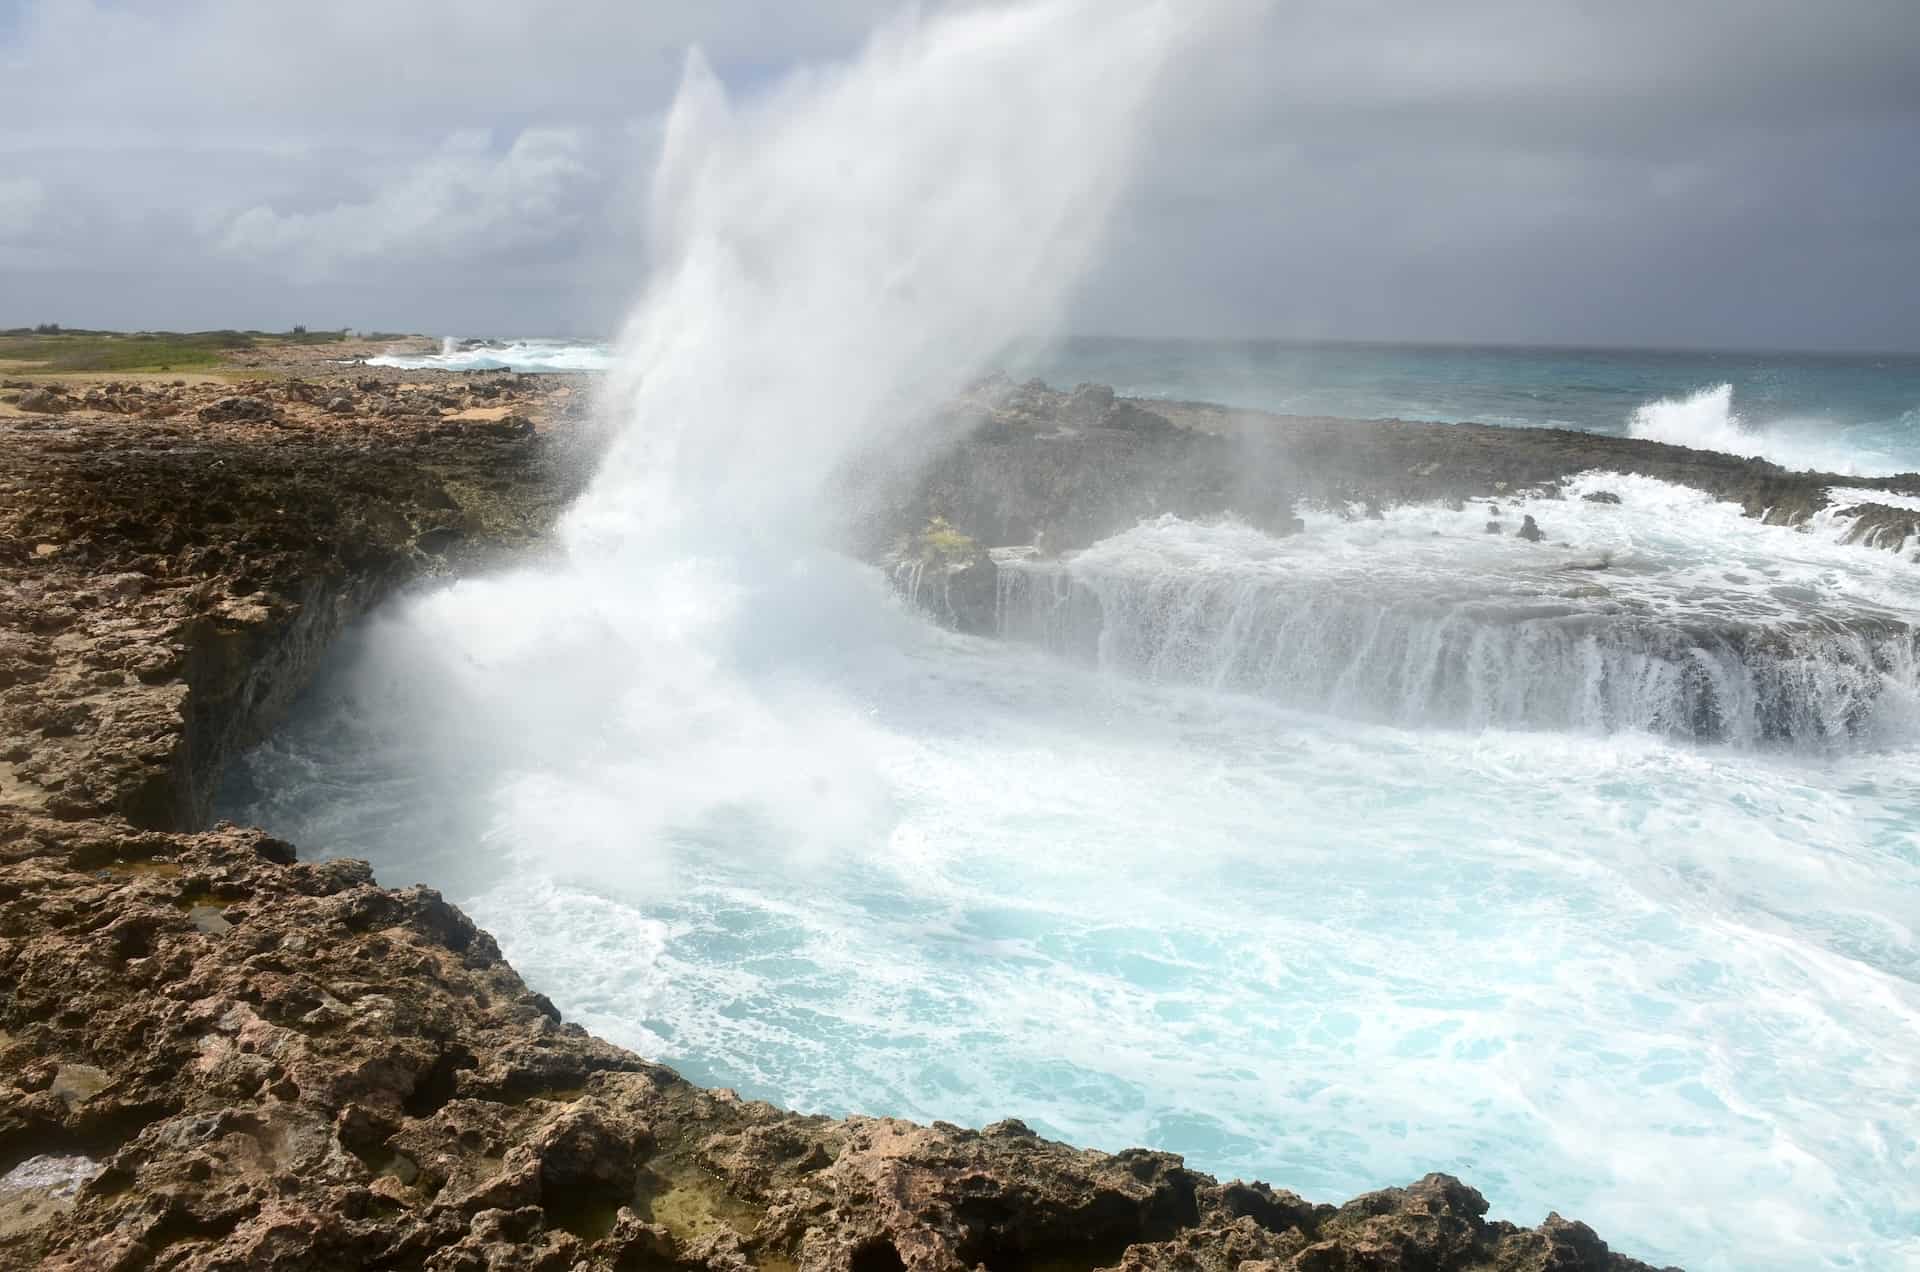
1714	172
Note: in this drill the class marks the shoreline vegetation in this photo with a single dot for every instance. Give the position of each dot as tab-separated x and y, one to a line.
48	349
218	1053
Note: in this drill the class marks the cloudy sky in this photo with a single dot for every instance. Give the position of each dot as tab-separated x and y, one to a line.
1706	173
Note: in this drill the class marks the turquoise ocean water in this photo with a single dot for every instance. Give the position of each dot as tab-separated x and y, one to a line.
1232	890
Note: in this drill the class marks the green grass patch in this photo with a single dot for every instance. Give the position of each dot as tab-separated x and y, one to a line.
52	351
113	351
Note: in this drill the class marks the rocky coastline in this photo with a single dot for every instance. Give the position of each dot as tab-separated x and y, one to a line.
215	1054
1038	471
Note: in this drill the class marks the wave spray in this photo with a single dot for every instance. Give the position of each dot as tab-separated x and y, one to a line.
734	808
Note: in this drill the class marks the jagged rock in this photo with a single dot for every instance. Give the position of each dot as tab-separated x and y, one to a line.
1529	530
1601	497
238	409
45	402
1877	525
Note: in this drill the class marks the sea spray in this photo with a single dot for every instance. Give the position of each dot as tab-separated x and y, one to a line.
727	804
1659	612
1707	420
838	255
831	258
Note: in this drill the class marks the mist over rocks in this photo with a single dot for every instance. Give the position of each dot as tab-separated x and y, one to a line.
187	553
1059	470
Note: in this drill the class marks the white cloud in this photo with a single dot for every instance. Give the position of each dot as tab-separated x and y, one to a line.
464	199
1737	170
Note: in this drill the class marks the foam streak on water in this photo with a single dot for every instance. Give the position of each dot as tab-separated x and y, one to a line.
1658	612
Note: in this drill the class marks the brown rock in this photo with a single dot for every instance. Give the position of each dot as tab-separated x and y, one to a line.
45	402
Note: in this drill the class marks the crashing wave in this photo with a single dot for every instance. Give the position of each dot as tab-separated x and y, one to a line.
514	355
1706	420
1667	614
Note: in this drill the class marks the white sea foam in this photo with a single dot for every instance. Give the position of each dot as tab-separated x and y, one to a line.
1707	420
1844	496
1662	611
1673	991
515	355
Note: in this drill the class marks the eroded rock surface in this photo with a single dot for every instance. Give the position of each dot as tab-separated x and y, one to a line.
345	1075
214	1055
165	583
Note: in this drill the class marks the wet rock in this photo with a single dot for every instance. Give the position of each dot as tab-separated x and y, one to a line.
437	541
75	1084
1494	527
1601	497
946	573
1877	525
1088	405
1529	530
209	920
39	1190
1079	466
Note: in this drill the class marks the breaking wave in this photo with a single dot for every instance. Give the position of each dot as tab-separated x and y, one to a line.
1706	420
514	355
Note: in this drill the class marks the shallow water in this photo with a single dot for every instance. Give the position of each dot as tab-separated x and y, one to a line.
844	861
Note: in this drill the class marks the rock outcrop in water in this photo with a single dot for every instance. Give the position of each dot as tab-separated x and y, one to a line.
1056	471
217	1056
1063	470
1037	475
1033	463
